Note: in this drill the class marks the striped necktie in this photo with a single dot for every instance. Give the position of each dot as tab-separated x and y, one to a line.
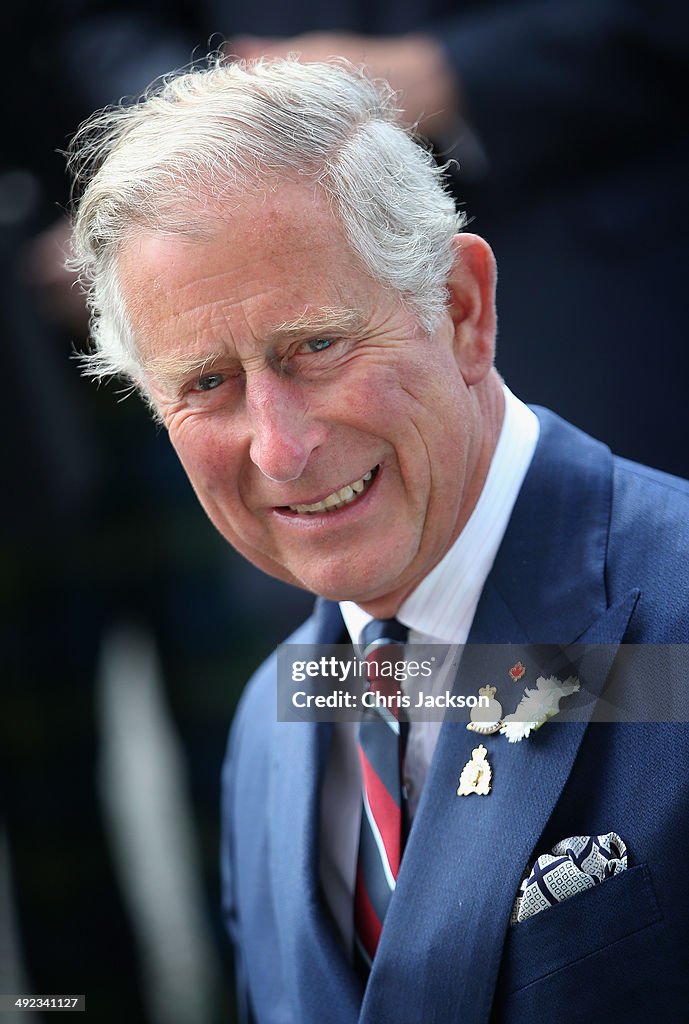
382	741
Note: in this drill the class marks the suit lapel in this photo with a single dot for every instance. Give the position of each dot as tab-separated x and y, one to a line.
466	855
319	979
550	570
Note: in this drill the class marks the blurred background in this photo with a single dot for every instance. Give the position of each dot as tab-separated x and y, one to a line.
128	627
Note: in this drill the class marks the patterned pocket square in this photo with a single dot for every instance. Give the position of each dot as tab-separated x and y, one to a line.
574	865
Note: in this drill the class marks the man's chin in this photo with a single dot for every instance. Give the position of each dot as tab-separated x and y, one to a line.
349	586
354	577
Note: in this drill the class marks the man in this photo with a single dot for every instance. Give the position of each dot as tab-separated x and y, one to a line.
276	266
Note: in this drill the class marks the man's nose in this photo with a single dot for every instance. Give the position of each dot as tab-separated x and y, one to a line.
283	435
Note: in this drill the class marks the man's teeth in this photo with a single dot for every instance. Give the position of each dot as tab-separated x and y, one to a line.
338	498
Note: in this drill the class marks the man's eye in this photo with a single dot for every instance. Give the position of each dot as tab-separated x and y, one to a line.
317	345
209	382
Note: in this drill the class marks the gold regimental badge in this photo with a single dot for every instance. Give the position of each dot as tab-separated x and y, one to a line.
486	720
476	774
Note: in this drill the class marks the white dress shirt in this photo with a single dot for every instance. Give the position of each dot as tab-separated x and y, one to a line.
440	610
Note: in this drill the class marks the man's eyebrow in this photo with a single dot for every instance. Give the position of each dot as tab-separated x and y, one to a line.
172	371
325	320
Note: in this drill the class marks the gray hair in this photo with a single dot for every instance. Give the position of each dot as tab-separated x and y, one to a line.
216	131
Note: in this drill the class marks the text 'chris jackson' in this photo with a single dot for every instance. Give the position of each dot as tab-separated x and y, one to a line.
391	701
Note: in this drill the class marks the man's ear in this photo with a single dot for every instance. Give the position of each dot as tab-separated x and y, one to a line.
471	287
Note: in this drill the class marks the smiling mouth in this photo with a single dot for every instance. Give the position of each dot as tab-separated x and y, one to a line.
338	499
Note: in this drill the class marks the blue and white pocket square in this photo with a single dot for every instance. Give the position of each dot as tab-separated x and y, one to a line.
574	865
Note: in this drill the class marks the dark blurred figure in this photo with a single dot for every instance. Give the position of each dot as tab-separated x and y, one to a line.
567	121
98	526
73	929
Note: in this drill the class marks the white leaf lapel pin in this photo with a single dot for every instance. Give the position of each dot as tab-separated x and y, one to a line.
537	706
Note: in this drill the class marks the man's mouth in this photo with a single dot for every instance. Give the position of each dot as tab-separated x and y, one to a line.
338	499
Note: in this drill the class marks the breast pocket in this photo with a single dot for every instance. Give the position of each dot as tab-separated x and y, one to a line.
602	953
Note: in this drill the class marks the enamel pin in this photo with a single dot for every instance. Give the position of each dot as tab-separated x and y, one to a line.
476	774
486	720
516	672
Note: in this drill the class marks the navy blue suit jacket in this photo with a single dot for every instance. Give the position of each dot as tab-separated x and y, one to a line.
596	552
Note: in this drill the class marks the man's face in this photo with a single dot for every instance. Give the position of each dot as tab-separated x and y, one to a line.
329	439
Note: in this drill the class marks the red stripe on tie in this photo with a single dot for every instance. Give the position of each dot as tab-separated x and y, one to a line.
367	925
385	813
388	688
